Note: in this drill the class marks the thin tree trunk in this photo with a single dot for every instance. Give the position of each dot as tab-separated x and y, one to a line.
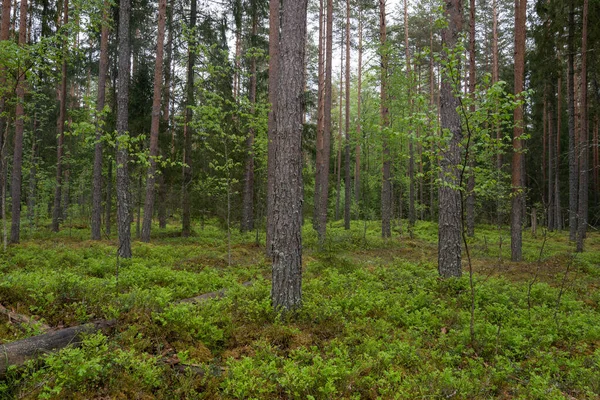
122	158
386	187
449	219
155	124
274	27
188	130
347	182
550	199
412	216
518	198
248	201
4	35
33	174
357	149
557	208
286	293
339	141
97	179
60	129
596	170
319	162
19	128
582	209
108	206
470	202
573	172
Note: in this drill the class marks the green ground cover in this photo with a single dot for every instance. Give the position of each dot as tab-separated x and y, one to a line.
376	321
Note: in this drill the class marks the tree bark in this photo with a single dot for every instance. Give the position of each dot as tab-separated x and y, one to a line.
550	199
155	124
339	136
573	172
582	208
557	208
97	179
4	35
274	27
357	149
188	131
286	293
347	183
248	200
60	130
19	128
449	218
412	215
470	202
319	162
386	187
122	157
518	196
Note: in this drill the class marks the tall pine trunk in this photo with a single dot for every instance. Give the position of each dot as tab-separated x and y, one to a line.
286	293
386	186
274	27
347	183
17	161
97	178
248	201
357	149
582	208
449	218
188	131
155	124
573	171
60	130
412	215
470	202
319	162
122	158
518	197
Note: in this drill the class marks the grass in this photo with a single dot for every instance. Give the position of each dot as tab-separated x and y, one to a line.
376	321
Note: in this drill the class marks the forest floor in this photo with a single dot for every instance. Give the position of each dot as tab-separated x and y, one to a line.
376	321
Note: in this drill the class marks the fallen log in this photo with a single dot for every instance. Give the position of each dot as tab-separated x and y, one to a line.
23	319
16	353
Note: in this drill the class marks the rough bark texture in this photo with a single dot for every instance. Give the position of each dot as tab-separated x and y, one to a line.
155	124
287	191
122	158
16	353
274	28
248	200
17	161
4	35
573	171
582	208
188	131
386	187
60	131
347	183
97	179
449	217
470	202
518	196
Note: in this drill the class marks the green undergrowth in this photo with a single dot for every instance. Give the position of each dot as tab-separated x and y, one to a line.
376	321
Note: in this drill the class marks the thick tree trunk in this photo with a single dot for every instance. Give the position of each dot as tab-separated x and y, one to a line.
518	197
274	27
347	183
449	219
573	171
60	130
386	186
470	202
582	208
286	293
248	201
186	229
155	124
122	158
97	179
17	161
